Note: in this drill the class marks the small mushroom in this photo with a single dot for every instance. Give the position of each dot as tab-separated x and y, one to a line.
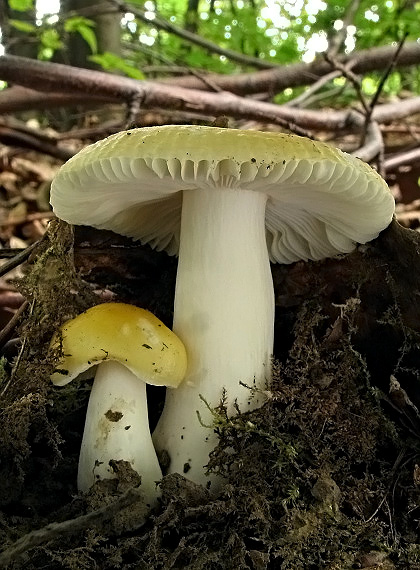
227	202
132	348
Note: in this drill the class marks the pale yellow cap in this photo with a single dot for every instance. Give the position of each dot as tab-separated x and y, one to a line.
125	333
320	201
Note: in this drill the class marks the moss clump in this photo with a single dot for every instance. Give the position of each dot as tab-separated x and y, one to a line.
306	474
325	476
30	441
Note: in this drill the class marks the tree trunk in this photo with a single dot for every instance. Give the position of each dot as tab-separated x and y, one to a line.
17	42
107	30
191	16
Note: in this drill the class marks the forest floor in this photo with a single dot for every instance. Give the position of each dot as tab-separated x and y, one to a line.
325	476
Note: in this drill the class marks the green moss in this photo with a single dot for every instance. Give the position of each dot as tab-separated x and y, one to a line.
27	405
324	476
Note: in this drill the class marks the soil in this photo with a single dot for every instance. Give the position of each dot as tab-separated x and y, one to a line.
325	476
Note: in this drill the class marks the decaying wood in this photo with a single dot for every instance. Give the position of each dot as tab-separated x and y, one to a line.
57	530
56	78
299	74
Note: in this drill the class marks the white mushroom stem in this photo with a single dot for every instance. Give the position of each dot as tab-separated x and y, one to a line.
117	427
224	314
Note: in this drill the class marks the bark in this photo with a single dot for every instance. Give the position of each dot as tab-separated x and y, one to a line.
98	86
298	74
53	77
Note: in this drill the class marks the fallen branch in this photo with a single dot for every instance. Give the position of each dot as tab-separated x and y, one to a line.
53	77
299	74
56	530
373	144
18	98
301	99
100	86
407	158
18	259
33	140
8	329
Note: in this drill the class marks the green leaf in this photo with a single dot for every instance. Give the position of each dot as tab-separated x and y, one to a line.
50	40
73	24
90	38
84	27
22	26
21	5
111	62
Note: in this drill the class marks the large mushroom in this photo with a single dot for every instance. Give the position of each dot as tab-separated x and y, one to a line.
227	202
132	348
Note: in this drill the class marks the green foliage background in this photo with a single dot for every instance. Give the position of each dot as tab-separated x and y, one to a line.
275	31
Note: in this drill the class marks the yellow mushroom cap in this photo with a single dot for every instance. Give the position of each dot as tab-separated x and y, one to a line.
125	333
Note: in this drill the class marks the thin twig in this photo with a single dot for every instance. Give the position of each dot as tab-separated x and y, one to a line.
8	252
386	74
104	129
373	144
206	80
380	87
405	128
340	37
18	358
300	99
394	470
18	259
15	221
13	137
133	110
8	329
402	159
352	77
167	26
171	67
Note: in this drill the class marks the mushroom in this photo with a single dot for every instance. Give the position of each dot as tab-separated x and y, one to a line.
227	202
132	348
